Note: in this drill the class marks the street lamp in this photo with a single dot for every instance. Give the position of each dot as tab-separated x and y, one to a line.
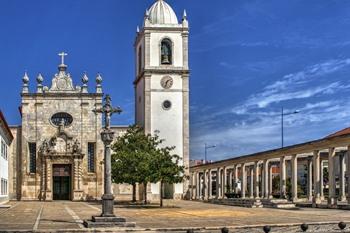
283	114
206	147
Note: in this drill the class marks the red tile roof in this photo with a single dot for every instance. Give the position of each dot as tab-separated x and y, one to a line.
340	133
7	128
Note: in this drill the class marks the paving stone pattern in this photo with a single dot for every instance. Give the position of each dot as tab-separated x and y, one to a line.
177	216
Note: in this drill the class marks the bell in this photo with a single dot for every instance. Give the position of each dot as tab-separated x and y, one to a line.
165	59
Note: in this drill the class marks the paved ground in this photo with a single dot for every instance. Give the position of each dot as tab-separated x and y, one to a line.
45	216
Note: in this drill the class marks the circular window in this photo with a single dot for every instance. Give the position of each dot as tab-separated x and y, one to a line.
166	104
62	117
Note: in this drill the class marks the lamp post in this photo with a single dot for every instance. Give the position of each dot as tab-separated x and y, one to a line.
206	147
283	114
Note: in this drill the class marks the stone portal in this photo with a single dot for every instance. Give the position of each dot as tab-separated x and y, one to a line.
62	182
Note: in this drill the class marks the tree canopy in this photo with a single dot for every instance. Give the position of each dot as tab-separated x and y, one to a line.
140	158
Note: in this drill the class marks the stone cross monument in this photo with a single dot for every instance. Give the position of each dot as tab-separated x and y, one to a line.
107	218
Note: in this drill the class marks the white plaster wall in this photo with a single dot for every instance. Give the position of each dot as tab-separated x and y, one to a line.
156	39
168	122
3	162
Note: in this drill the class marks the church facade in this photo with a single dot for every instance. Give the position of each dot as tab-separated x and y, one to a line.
57	152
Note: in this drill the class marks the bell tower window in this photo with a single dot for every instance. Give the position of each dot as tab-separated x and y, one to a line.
166	52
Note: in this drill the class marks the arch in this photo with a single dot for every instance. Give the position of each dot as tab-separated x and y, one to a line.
166	51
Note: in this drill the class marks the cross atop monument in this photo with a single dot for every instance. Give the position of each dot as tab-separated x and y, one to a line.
62	55
107	111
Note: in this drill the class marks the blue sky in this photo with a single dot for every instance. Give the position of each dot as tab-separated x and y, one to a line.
248	59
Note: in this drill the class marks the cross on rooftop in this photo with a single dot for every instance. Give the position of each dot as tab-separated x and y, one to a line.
62	55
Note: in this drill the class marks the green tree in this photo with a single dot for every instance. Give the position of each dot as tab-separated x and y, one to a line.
165	168
131	159
140	158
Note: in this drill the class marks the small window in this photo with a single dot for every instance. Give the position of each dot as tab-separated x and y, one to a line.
166	105
140	59
91	157
3	145
3	190
166	52
62	117
32	157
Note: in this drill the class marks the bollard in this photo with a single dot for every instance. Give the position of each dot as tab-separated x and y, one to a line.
267	229
190	231
342	225
304	227
224	230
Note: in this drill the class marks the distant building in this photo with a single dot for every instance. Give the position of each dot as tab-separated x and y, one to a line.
5	141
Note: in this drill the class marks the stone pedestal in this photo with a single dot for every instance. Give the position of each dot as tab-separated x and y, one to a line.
99	221
77	195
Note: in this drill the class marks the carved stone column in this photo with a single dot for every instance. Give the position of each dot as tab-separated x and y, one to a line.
256	180
283	179
309	179
243	180
205	185
218	181
236	178
266	179
321	180
210	191
251	186
270	182
332	200
224	182
294	178
48	179
77	192
317	179
342	193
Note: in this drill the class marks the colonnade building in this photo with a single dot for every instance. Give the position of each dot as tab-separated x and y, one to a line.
323	163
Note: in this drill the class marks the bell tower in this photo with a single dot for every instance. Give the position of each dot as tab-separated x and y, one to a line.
162	84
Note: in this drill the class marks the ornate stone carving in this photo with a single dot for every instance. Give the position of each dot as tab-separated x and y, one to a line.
60	144
62	81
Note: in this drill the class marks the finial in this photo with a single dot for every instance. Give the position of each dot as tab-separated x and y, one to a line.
137	29
98	83
147	13
40	79
25	78
25	81
85	79
39	87
98	78
184	15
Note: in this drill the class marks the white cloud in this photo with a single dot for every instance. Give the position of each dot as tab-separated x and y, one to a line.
255	124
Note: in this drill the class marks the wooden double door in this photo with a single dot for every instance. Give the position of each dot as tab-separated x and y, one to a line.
62	181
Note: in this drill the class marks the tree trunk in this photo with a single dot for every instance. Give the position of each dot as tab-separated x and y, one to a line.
145	193
161	194
133	192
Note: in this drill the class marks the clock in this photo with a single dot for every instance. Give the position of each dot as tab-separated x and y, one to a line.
167	82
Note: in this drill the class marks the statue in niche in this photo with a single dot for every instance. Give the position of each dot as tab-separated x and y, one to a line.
166	52
76	147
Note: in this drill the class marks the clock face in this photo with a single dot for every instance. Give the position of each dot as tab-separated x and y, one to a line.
167	82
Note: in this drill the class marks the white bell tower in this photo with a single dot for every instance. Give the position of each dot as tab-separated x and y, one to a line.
162	85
